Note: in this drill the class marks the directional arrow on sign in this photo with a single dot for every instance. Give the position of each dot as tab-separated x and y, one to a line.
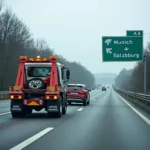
126	49
108	41
108	50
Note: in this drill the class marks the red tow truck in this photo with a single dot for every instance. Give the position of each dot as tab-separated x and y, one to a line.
31	93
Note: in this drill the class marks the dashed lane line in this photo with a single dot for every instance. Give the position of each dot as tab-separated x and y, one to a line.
4	113
80	109
32	139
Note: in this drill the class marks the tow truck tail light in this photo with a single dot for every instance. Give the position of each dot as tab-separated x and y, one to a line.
16	97
23	57
55	97
53	57
52	97
11	96
19	96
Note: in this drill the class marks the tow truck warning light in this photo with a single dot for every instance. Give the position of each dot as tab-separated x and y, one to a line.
23	57
38	58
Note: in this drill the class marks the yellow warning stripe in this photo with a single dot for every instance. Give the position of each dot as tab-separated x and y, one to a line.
33	104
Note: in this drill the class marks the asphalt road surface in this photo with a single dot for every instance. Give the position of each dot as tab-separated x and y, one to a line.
108	123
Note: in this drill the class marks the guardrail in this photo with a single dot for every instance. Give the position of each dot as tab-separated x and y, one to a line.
142	100
4	95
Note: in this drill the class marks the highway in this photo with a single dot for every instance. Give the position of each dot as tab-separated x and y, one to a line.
108	123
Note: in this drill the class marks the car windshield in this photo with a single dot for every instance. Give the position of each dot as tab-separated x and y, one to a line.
74	87
38	71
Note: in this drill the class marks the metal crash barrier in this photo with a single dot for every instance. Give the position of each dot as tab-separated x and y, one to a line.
4	95
140	99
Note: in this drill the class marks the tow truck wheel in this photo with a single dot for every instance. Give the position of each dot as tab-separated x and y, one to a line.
59	114
69	103
23	114
29	111
64	109
35	83
15	114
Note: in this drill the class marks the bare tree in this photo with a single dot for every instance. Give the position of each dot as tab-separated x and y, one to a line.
1	5
16	40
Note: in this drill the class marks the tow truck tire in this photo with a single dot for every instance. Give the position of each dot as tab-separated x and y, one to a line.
35	83
64	109
18	114
15	114
29	111
59	114
69	103
23	114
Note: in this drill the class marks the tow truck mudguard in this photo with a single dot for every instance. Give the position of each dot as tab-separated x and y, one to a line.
53	106
17	106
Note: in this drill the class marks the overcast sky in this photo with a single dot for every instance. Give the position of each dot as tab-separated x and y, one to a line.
74	28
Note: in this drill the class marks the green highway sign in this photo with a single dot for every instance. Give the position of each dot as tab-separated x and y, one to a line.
134	32
122	48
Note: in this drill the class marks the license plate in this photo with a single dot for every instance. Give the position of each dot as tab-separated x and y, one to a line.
36	99
74	93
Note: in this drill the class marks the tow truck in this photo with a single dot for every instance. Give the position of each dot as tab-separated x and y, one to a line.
31	93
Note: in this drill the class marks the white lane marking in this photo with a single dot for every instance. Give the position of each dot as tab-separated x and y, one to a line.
4	102
4	113
80	109
135	110
92	97
32	139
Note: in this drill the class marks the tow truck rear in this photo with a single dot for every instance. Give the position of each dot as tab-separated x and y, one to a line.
30	92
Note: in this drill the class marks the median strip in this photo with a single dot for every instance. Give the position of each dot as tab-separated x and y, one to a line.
32	139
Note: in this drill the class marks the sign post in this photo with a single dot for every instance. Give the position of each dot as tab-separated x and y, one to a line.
140	33
145	73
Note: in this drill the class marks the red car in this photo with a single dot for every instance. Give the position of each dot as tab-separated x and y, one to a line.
78	93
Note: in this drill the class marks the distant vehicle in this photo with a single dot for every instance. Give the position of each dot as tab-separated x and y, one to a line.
78	93
103	88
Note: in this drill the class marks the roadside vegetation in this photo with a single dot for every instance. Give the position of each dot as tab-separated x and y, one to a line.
133	79
16	40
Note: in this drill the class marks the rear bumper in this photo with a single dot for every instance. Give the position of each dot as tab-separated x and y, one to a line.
69	96
76	100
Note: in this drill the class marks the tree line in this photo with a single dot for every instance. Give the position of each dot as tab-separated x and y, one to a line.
133	79
16	40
